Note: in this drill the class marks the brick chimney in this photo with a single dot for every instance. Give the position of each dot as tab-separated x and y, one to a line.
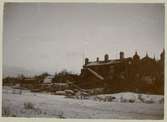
106	57
86	61
97	59
121	55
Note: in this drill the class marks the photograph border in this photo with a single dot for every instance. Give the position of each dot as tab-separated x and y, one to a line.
20	119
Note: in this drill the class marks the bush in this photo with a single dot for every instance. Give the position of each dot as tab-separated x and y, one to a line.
161	101
145	100
61	115
140	98
131	101
6	111
29	105
123	100
149	101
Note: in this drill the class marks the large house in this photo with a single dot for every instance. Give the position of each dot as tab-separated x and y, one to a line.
130	74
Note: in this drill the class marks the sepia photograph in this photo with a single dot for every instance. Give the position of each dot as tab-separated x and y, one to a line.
83	60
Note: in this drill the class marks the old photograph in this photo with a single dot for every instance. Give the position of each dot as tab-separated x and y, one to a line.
83	60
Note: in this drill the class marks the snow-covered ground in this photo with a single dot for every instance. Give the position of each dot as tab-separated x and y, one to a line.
123	106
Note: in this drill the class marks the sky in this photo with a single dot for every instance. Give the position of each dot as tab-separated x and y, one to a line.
51	37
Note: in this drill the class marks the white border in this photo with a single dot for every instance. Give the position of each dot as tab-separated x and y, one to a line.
11	119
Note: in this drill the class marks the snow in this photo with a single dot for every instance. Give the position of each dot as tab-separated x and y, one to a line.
47	105
137	98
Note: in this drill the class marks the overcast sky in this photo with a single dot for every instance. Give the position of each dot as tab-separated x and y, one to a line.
53	37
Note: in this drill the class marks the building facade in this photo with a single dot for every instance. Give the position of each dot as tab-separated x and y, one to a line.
125	74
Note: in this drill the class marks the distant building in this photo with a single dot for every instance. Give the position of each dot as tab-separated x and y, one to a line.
130	73
48	79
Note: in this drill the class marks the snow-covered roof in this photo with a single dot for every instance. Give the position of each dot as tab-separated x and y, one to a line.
50	76
115	61
48	79
103	63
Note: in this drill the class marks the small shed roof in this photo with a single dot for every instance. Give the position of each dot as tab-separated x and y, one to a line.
48	79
